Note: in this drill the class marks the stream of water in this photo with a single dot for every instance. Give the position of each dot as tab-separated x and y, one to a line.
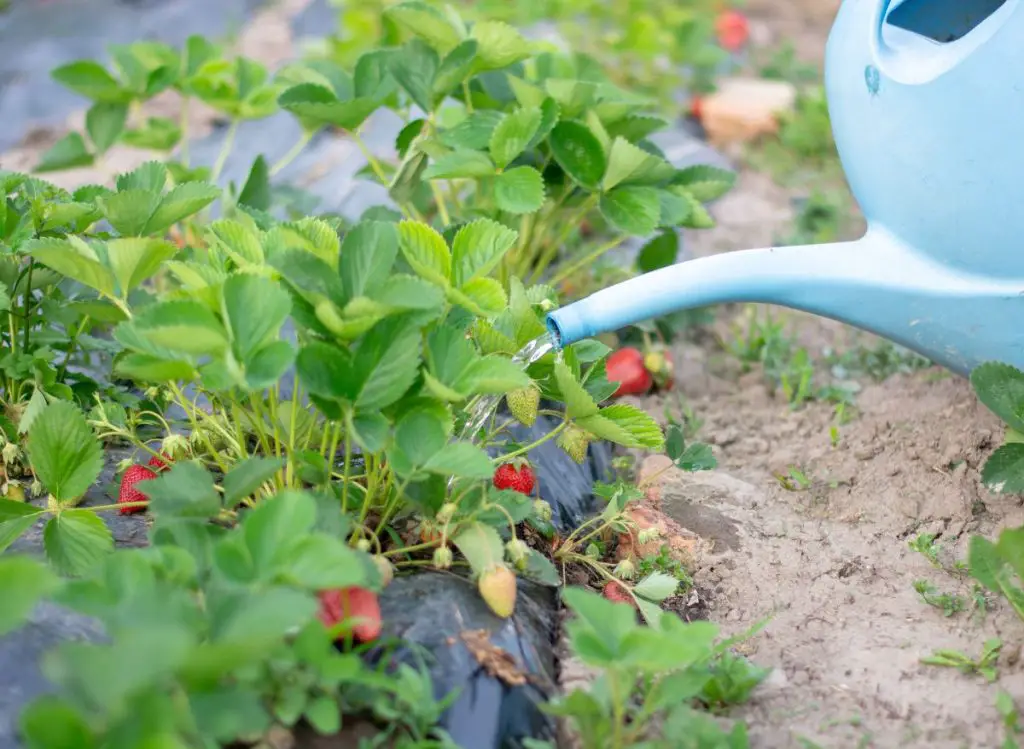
483	406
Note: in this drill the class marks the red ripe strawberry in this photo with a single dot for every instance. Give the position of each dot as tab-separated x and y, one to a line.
516	475
160	463
626	367
129	493
360	604
696	107
615	593
732	30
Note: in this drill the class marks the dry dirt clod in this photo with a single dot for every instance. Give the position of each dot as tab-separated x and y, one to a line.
744	109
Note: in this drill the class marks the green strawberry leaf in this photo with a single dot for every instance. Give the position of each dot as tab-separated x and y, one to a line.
426	252
104	122
76	541
66	456
70	152
632	210
705	183
75	259
368	254
319	106
454	69
477	249
498	45
23	583
427	23
460	164
1000	387
656	587
256	193
481	545
15	519
513	134
1003	472
659	252
519	190
578	151
628	164
415	66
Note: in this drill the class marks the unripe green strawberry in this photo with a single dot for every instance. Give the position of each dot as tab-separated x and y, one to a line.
523	404
575	441
442	557
517	551
497	587
542	510
446	513
386	569
363	544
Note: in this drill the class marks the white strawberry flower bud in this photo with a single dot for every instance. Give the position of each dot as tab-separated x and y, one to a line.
11	452
442	557
175	446
625	570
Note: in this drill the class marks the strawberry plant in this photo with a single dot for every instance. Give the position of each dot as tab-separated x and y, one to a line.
404	345
52	331
214	634
651	681
493	126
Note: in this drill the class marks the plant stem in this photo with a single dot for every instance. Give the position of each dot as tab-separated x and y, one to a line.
295	150
347	471
225	149
183	126
442	208
537	443
586	260
552	249
370	159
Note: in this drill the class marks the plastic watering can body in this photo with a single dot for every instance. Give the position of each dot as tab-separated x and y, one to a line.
926	99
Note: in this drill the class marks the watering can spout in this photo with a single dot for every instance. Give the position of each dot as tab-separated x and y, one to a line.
876	283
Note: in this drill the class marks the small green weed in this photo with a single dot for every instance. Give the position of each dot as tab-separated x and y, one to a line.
879	361
924	544
664	562
984	665
948	603
1011	720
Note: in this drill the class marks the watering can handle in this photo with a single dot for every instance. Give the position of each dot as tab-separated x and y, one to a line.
915	58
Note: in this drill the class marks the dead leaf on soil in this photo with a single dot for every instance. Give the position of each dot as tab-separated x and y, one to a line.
497	662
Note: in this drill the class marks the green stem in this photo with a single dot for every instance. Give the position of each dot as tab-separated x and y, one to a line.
222	157
537	443
370	159
571	224
586	260
183	126
442	208
295	150
347	471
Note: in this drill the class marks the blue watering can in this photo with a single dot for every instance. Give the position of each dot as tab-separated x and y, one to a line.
926	99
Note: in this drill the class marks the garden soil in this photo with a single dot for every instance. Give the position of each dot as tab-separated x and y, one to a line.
827	561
